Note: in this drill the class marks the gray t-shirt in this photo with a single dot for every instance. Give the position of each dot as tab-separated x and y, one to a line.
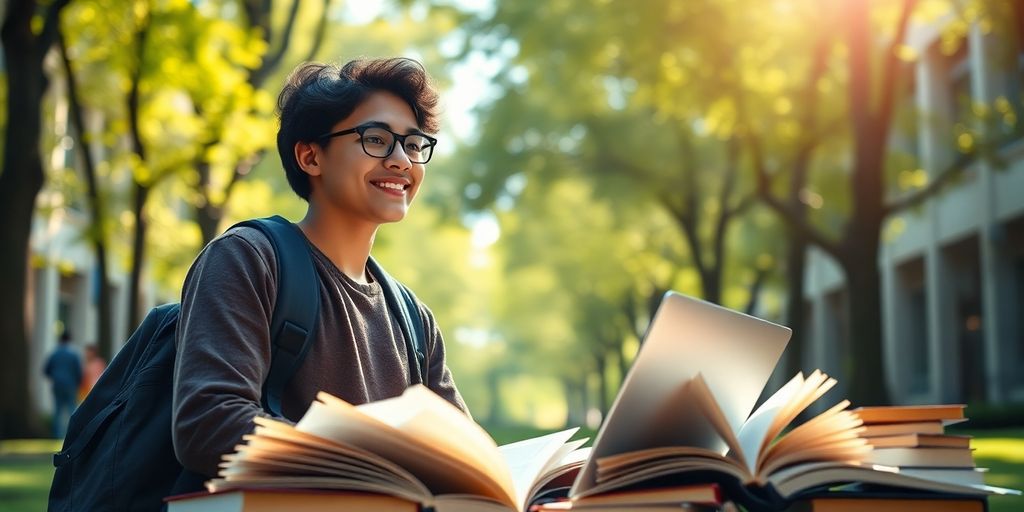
223	347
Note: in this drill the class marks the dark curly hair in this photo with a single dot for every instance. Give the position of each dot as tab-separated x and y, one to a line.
316	96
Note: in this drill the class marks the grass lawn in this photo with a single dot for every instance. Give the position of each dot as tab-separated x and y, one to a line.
1002	451
26	470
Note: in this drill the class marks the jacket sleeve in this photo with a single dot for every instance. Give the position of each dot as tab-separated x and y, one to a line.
223	350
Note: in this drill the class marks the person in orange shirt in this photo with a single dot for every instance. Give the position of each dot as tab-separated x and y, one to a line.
91	371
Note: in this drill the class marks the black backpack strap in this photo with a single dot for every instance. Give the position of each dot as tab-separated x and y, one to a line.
296	309
402	304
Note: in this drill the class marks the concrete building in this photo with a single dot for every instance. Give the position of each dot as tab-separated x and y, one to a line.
953	269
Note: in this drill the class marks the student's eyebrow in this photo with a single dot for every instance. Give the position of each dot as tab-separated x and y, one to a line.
382	124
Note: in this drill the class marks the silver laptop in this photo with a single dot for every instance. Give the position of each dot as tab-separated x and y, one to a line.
734	352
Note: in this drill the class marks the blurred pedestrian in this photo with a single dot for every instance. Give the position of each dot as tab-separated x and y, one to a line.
64	369
92	369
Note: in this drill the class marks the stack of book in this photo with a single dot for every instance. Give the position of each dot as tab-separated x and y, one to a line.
913	438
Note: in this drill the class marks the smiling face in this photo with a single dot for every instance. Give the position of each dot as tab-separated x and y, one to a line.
349	185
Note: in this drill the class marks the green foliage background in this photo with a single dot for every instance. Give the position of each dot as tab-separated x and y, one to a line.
604	160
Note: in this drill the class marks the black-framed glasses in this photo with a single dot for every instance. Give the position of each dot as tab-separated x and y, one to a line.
379	142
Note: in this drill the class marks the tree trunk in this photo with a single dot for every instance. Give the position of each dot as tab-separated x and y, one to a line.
208	217
711	283
575	402
20	182
104	343
207	214
141	189
867	381
755	291
601	365
796	262
623	360
138	257
494	412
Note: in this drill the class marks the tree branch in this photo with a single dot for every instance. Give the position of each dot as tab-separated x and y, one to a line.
689	168
242	169
945	177
78	121
134	93
760	276
728	185
51	25
257	13
689	226
859	67
743	205
893	66
271	61
809	98
321	30
795	221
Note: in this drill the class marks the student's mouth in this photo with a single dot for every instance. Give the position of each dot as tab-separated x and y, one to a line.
394	188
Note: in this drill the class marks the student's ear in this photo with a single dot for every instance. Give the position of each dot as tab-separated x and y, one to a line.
307	156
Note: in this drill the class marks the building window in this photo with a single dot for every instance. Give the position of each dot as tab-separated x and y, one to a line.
917	341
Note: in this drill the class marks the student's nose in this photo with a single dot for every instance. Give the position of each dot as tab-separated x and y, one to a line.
398	160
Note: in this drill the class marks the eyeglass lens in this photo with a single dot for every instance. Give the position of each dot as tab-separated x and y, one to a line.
378	142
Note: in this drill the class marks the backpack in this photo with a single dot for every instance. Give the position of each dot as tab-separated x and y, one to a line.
118	454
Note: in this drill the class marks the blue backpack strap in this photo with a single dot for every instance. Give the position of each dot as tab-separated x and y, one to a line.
402	304
296	309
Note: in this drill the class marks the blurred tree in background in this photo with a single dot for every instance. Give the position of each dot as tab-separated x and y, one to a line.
616	150
710	111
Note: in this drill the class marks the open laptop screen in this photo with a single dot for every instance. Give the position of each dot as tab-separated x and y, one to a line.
734	352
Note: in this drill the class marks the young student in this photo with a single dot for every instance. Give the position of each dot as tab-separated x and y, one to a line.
354	142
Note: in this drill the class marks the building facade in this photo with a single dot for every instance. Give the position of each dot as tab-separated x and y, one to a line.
953	268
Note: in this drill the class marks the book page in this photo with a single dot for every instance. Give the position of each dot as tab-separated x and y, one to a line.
567	454
269	431
563	466
792	481
708	406
442	471
752	433
675	465
528	458
432	419
248	459
816	385
278	482
835	424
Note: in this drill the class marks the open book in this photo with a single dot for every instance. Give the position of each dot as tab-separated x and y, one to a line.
764	466
416	447
683	417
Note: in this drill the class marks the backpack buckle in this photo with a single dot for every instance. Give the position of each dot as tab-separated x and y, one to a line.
61	458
